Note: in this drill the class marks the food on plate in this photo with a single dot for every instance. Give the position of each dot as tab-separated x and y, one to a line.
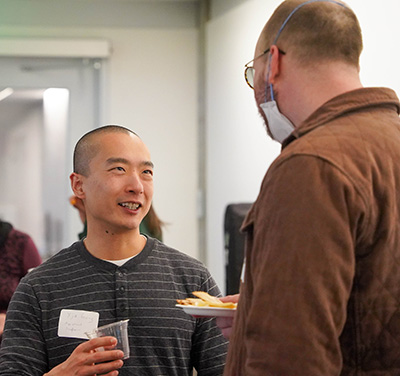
205	300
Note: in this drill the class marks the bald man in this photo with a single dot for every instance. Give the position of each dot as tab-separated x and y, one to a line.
115	273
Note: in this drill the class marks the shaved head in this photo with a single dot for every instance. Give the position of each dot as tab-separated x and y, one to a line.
87	147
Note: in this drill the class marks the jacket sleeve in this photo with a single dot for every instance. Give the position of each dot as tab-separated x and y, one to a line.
23	350
300	269
209	346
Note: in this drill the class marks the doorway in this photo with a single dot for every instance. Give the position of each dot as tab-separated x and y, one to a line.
53	101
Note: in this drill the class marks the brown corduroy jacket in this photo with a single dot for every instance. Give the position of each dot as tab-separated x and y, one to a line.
321	290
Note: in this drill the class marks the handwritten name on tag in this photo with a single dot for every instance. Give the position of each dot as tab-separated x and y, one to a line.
74	323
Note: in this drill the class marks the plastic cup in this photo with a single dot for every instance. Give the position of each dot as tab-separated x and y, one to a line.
119	330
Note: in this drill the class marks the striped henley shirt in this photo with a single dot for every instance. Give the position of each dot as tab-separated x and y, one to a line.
163	339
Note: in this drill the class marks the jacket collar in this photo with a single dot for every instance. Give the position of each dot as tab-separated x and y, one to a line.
356	100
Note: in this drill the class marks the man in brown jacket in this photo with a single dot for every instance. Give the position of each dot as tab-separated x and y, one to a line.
321	288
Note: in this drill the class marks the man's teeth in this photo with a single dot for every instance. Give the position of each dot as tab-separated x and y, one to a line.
130	205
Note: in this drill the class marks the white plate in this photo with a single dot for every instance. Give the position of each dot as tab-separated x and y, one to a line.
207	311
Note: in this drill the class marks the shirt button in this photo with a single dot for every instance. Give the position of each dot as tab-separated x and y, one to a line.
121	289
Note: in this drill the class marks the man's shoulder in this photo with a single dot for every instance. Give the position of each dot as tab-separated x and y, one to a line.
173	253
170	257
59	260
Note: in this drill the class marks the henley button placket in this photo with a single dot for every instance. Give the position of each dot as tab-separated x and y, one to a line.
121	293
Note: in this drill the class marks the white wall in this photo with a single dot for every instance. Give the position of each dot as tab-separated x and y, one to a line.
156	95
238	149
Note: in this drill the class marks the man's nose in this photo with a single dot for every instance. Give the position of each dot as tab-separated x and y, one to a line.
135	184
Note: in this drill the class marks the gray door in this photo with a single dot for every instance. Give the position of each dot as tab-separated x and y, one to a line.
38	130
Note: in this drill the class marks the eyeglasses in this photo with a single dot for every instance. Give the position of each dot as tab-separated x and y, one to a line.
249	70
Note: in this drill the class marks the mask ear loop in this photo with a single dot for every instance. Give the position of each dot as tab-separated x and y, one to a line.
269	71
271	90
280	31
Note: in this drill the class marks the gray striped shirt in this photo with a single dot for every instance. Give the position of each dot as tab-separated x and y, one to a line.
163	339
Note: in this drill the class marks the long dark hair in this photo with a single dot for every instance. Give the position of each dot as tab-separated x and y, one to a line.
154	223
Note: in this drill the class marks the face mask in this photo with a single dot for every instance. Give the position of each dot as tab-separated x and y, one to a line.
279	125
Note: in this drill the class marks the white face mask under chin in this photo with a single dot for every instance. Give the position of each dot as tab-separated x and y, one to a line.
279	125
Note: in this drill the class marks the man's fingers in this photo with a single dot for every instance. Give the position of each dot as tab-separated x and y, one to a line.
225	324
105	368
106	356
113	373
101	350
94	343
88	360
230	298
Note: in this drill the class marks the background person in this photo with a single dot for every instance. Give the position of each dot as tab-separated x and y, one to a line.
320	293
152	224
115	273
18	254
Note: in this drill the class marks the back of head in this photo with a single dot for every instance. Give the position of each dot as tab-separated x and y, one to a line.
87	147
314	31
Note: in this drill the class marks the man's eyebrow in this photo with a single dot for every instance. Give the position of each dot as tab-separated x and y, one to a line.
125	161
116	160
148	163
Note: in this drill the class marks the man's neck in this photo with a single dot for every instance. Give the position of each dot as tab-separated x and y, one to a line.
113	246
310	89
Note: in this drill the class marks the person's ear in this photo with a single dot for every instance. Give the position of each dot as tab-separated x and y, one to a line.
274	64
77	185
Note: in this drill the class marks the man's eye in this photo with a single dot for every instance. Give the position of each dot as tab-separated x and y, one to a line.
149	172
119	168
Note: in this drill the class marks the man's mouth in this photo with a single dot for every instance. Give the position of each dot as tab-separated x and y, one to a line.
130	205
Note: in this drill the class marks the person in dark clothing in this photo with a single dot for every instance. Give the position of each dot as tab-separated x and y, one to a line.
18	254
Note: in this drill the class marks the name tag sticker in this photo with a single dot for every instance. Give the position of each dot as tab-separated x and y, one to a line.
74	323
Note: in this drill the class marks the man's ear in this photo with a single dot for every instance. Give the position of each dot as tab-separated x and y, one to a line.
77	185
274	64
